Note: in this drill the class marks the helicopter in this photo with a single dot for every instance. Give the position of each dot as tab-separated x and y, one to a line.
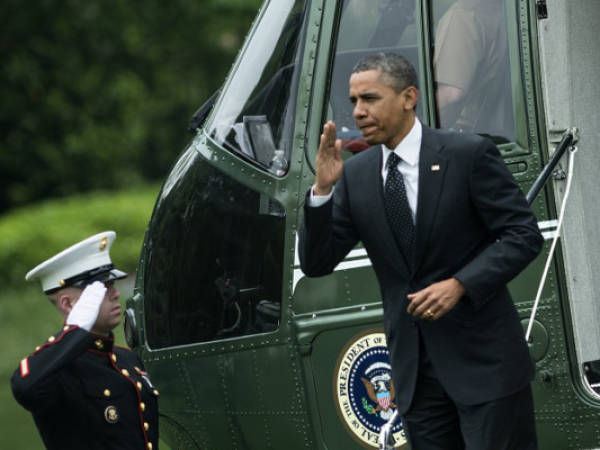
248	352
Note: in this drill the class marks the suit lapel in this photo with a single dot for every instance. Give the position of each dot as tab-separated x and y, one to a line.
432	172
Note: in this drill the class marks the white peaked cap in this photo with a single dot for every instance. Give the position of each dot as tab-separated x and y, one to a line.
84	261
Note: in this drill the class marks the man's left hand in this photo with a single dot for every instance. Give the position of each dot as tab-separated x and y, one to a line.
436	299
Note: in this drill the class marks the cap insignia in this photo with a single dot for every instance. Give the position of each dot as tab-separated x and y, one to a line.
103	243
62	283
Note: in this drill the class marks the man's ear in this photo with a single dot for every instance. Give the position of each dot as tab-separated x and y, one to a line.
411	97
65	303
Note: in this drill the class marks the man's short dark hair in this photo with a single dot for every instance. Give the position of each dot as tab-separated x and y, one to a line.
397	72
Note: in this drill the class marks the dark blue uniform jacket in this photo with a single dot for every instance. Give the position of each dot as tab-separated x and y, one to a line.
86	393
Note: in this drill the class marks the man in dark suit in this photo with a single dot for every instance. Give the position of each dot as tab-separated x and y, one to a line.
446	227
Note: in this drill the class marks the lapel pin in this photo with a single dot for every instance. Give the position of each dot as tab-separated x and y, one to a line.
435	168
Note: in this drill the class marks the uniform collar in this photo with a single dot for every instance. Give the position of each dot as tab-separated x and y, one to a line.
102	344
408	148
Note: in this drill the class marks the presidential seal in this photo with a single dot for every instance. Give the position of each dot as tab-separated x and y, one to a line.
363	389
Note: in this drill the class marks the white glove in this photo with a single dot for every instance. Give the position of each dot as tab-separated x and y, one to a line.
85	312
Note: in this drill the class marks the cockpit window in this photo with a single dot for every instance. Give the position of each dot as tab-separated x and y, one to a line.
471	68
367	27
254	116
214	258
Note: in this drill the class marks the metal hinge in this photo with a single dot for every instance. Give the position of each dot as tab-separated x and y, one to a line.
542	9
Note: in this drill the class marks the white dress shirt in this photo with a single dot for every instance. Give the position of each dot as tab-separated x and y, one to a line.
408	150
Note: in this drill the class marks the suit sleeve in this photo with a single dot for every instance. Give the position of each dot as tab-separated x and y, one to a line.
35	382
327	233
515	237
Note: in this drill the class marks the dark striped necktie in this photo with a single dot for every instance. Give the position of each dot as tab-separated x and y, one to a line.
397	209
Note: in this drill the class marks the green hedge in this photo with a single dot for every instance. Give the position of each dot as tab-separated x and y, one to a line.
32	234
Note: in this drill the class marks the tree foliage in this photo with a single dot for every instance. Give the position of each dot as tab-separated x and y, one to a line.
98	93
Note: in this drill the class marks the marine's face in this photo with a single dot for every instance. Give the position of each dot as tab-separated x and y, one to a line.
383	115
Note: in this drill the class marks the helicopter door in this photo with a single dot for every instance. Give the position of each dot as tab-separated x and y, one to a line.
343	324
349	359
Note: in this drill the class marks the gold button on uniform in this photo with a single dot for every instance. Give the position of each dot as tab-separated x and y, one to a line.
149	445
142	406
113	357
139	385
155	392
146	426
107	392
51	339
125	372
38	347
66	327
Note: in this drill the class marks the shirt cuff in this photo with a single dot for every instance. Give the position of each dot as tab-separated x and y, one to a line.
314	201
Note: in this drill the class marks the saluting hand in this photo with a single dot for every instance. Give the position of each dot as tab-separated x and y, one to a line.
329	160
436	299
86	309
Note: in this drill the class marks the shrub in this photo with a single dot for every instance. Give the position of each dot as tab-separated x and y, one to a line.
34	233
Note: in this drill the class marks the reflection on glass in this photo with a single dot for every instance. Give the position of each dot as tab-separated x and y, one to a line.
365	28
255	113
213	259
471	68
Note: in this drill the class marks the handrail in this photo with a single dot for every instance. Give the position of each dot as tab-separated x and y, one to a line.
569	138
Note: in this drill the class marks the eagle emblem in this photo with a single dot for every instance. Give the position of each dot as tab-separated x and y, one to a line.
380	389
364	390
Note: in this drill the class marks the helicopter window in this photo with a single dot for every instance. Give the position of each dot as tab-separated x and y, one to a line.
214	252
367	27
255	114
471	68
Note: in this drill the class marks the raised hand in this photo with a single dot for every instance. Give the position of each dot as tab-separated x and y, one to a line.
86	309
329	160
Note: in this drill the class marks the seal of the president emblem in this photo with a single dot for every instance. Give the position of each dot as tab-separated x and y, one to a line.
363	389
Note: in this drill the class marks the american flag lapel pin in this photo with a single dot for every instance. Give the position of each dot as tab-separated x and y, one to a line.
435	168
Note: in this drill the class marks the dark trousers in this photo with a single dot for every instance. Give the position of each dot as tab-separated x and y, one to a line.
435	422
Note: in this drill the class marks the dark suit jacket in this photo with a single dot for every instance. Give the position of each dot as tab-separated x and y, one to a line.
473	223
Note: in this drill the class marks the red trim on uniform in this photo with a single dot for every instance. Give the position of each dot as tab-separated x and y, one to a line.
103	337
57	340
98	352
139	396
24	367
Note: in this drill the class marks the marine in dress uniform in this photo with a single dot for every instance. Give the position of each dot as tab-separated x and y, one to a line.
82	390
